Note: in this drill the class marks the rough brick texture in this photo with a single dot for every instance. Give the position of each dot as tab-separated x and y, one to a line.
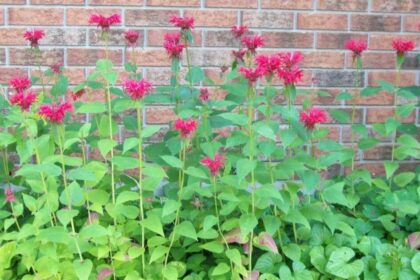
318	28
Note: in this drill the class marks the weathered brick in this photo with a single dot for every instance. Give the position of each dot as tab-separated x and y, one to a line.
336	40
80	16
137	17
381	98
155	37
213	18
36	16
150	57
287	4
411	62
76	75
343	5
64	36
319	100
209	57
174	3
336	78
12	36
405	6
372	60
270	19
2	56
116	38
376	23
7	73
86	57
13	2
379	115
358	115
247	4
323	60
162	75
411	23
220	39
26	56
57	2
384	41
288	39
160	115
322	21
407	78
117	2
380	152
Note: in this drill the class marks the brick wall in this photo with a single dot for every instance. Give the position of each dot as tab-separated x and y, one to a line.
318	28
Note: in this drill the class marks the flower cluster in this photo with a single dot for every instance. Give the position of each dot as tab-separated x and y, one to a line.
204	95
251	74
76	95
239	55
33	36
55	113
185	23
56	68
185	127
10	196
402	46
172	45
252	43
356	46
104	22
20	83
215	164
131	36
239	30
268	65
289	70
21	98
137	89
313	116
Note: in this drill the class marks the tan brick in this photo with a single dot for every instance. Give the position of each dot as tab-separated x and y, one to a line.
151	57
384	41
375	23
405	6
57	2
343	5
155	37
137	17
7	73
76	75
160	115
213	18
381	98
379	115
220	39
12	36
323	60
322	21
36	16
268	20
13	2
208	57
371	60
319	100
26	56
2	17
116	38
411	23
287	4
80	16
247	4
117	2
407	78
288	39
82	56
162	75
174	3
336	40
2	56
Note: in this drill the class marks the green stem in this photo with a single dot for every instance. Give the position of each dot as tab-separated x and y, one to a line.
108	98
395	105
353	113
14	215
44	185
140	154
187	54
38	56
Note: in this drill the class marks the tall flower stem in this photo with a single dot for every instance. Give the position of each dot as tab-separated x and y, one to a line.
38	58
353	111
14	215
395	105
60	136
140	157
187	54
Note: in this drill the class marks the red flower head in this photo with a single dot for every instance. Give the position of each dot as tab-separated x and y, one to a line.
104	22
356	46
23	100
55	113
402	46
33	36
77	94
185	23
289	70
313	116
290	59
204	95
239	55
56	68
103	273
239	30
131	36
185	127
172	45
252	42
268	64
10	196
20	83
251	74
137	89
214	165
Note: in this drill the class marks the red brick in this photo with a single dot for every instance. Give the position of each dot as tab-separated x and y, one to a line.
55	2
155	37
343	5
336	40
381	98
288	39
287	4
80	16
384	42
268	19
322	21
159	115
151	57
407	78
412	23
379	152
1	17
149	17
83	57
8	73
162	75
376	23
247	4
373	60
213	18
379	115
36	16
315	98
12	36
174	3
2	56
405	6
76	75
323	60
117	2
376	169
26	56
13	2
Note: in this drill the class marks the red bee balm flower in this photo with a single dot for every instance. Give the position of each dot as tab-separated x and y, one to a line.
172	45
56	68
20	83
104	22
356	46
251	74
290	59
252	42
239	31
184	23
239	54
131	36
33	36
289	70
10	196
402	46
268	64
77	94
23	100
204	95
185	127
313	116
137	89
55	113
214	165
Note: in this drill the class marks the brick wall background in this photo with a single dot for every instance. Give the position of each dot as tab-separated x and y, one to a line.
318	28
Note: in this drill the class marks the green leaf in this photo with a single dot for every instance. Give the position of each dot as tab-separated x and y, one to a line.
235	118
404	178
266	131
6	254
104	65
386	86
66	215
93	231
123	104
83	268
124	163
220	269
334	194
369	91
268	263
6	139
415	263
129	144
244	167
408	141
30	203
318	258
153	223
170	207
343	96
295	216
150	130
173	161
367	143
186	228
405	110
339	115
196	74
127	196
106	145
247	223
338	264
92	107
81	173
390	168
196	172
158	253
213	246
76	195
292	251
60	87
